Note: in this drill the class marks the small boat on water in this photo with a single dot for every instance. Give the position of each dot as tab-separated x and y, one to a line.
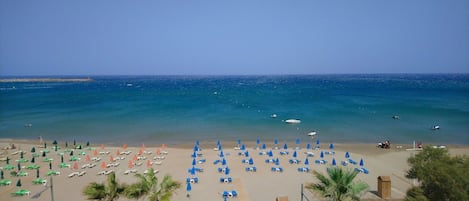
292	121
436	127
312	133
396	117
273	116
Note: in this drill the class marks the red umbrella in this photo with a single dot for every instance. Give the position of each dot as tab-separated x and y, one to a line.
124	146
111	159
118	152
103	165
148	163
88	158
163	146
75	166
140	152
131	164
158	151
134	158
95	152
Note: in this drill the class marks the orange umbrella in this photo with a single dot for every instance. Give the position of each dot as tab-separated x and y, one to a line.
111	158
131	164
140	152
75	166
135	157
158	151
95	152
103	165
124	146
163	146
88	158
118	152
102	146
148	163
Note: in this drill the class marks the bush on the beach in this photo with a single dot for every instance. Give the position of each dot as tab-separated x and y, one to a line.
441	176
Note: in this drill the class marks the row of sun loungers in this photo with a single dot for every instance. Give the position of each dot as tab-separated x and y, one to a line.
303	169
320	161
96	159
251	169
126	152
104	153
112	165
21	192
362	169
88	165
276	169
192	180
154	171
226	180
296	161
105	172
77	174
156	163
229	194
130	171
159	158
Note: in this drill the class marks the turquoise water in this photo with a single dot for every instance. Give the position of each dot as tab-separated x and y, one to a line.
178	109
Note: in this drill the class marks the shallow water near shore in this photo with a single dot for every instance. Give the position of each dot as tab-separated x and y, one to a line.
182	109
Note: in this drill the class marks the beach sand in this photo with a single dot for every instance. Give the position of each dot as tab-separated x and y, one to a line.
251	186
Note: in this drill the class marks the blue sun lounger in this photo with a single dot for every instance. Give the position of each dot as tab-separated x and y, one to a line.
352	161
226	179
303	169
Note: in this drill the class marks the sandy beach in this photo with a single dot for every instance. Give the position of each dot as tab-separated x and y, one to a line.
264	184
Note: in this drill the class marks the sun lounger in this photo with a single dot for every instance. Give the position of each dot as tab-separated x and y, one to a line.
81	173
138	164
329	152
276	169
159	158
226	180
22	174
251	169
296	161
192	180
309	154
141	158
104	153
108	172
229	194
64	165
216	161
320	161
201	161
95	159
344	163
303	169
40	181
157	162
21	192
130	171
284	153
73	174
270	160
5	182
50	173
164	152
363	170
154	171
147	152
352	161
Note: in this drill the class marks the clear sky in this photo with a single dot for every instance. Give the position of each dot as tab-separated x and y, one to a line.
167	37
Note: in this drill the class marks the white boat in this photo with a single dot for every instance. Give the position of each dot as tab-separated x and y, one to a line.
312	133
436	127
273	116
292	121
396	117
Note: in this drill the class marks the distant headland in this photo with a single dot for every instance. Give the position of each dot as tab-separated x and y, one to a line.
46	80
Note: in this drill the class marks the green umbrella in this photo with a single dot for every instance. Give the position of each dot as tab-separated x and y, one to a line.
8	160
50	165
88	143
21	155
1	175
66	144
74	142
43	154
33	160
18	183
19	166
45	145
71	153
33	150
61	158
55	142
37	173
55	148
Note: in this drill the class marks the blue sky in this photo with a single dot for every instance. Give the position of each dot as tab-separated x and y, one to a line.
115	37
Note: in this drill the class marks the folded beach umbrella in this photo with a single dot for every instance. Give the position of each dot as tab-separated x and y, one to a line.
192	170
124	146
188	187
111	158
322	154
219	147
18	183
102	146
2	176
75	166
308	146
95	152
264	146
62	158
334	163
361	162
19	167
285	146
158	151
197	142
135	158
276	142
243	147
103	165
196	147
140	151
331	146
227	171
306	161
239	142
131	164
148	163
294	154
251	162
194	162
193	155
118	152
317	142
258	141
277	162
37	173
270	154
163	146
218	143
347	154
223	161
297	141
222	154
246	154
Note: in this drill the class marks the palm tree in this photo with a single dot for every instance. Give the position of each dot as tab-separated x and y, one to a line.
148	186
109	191
339	185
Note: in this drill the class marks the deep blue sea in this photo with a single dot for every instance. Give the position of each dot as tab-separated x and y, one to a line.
180	109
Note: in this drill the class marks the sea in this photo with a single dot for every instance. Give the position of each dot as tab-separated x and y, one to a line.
181	109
